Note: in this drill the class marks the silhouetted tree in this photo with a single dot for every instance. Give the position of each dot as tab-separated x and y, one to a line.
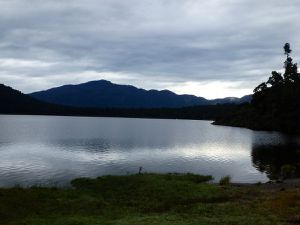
291	70
287	49
290	75
275	104
263	86
275	79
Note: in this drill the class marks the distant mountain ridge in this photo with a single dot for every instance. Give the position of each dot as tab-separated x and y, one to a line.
15	102
105	94
233	100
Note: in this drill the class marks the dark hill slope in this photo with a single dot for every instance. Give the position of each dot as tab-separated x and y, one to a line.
104	94
15	102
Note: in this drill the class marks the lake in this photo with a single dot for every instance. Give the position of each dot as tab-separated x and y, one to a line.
52	150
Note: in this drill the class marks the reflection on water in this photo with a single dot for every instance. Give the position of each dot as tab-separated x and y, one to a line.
273	159
53	150
274	156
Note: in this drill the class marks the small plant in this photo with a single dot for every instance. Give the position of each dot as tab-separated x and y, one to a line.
287	171
140	170
258	183
225	180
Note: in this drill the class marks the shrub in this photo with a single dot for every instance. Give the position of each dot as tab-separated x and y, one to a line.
287	171
225	180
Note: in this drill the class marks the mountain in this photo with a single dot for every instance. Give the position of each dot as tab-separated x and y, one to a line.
232	100
15	102
104	94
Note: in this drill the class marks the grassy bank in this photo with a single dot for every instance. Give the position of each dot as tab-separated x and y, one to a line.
151	199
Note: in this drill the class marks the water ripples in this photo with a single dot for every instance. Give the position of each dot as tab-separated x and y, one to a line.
66	148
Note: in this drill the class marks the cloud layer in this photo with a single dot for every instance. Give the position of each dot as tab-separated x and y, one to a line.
210	48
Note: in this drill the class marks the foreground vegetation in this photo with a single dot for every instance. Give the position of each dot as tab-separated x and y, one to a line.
150	199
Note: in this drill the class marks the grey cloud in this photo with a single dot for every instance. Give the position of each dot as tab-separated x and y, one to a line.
161	41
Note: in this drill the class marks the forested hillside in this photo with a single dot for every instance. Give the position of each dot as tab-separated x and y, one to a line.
275	104
15	102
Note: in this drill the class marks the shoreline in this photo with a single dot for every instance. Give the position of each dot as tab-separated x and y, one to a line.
213	122
272	183
291	182
218	123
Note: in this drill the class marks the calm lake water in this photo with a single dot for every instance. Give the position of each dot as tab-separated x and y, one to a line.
49	150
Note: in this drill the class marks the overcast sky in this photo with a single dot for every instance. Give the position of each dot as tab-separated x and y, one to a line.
209	48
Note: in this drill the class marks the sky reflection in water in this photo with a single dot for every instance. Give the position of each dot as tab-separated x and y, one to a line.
44	150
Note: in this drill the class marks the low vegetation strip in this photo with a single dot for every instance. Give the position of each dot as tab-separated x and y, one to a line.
151	199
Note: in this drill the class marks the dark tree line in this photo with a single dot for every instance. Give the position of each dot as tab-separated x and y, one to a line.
275	104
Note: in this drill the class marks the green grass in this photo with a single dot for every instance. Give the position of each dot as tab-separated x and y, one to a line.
149	199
